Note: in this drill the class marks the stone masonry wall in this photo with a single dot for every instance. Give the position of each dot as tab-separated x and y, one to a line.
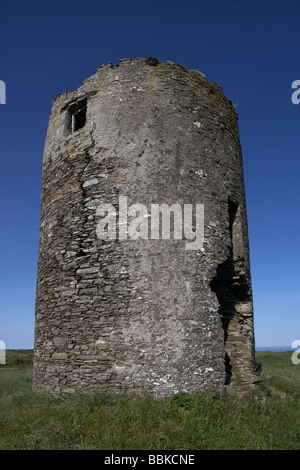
142	314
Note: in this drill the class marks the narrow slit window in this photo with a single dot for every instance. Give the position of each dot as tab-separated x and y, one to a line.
78	118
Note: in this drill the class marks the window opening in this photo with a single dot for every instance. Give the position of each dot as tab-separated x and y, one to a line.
78	118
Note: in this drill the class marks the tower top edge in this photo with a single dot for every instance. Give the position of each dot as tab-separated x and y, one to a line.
90	84
139	62
150	61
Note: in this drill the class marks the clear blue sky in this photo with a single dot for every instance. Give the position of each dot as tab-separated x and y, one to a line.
251	48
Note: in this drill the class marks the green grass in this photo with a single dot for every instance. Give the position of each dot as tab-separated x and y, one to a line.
265	418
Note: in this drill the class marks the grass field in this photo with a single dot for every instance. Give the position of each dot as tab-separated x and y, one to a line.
266	418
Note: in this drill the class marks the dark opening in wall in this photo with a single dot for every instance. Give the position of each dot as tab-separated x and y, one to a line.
222	285
79	117
226	285
75	114
233	290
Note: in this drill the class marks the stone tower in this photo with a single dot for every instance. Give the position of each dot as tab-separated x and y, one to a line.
123	303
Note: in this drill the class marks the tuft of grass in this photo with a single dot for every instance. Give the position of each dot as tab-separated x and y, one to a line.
105	273
211	87
266	418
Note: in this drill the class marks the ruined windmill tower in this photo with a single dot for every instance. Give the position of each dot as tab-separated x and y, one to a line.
142	312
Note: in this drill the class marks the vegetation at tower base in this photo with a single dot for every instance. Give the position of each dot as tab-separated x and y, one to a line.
266	417
142	314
